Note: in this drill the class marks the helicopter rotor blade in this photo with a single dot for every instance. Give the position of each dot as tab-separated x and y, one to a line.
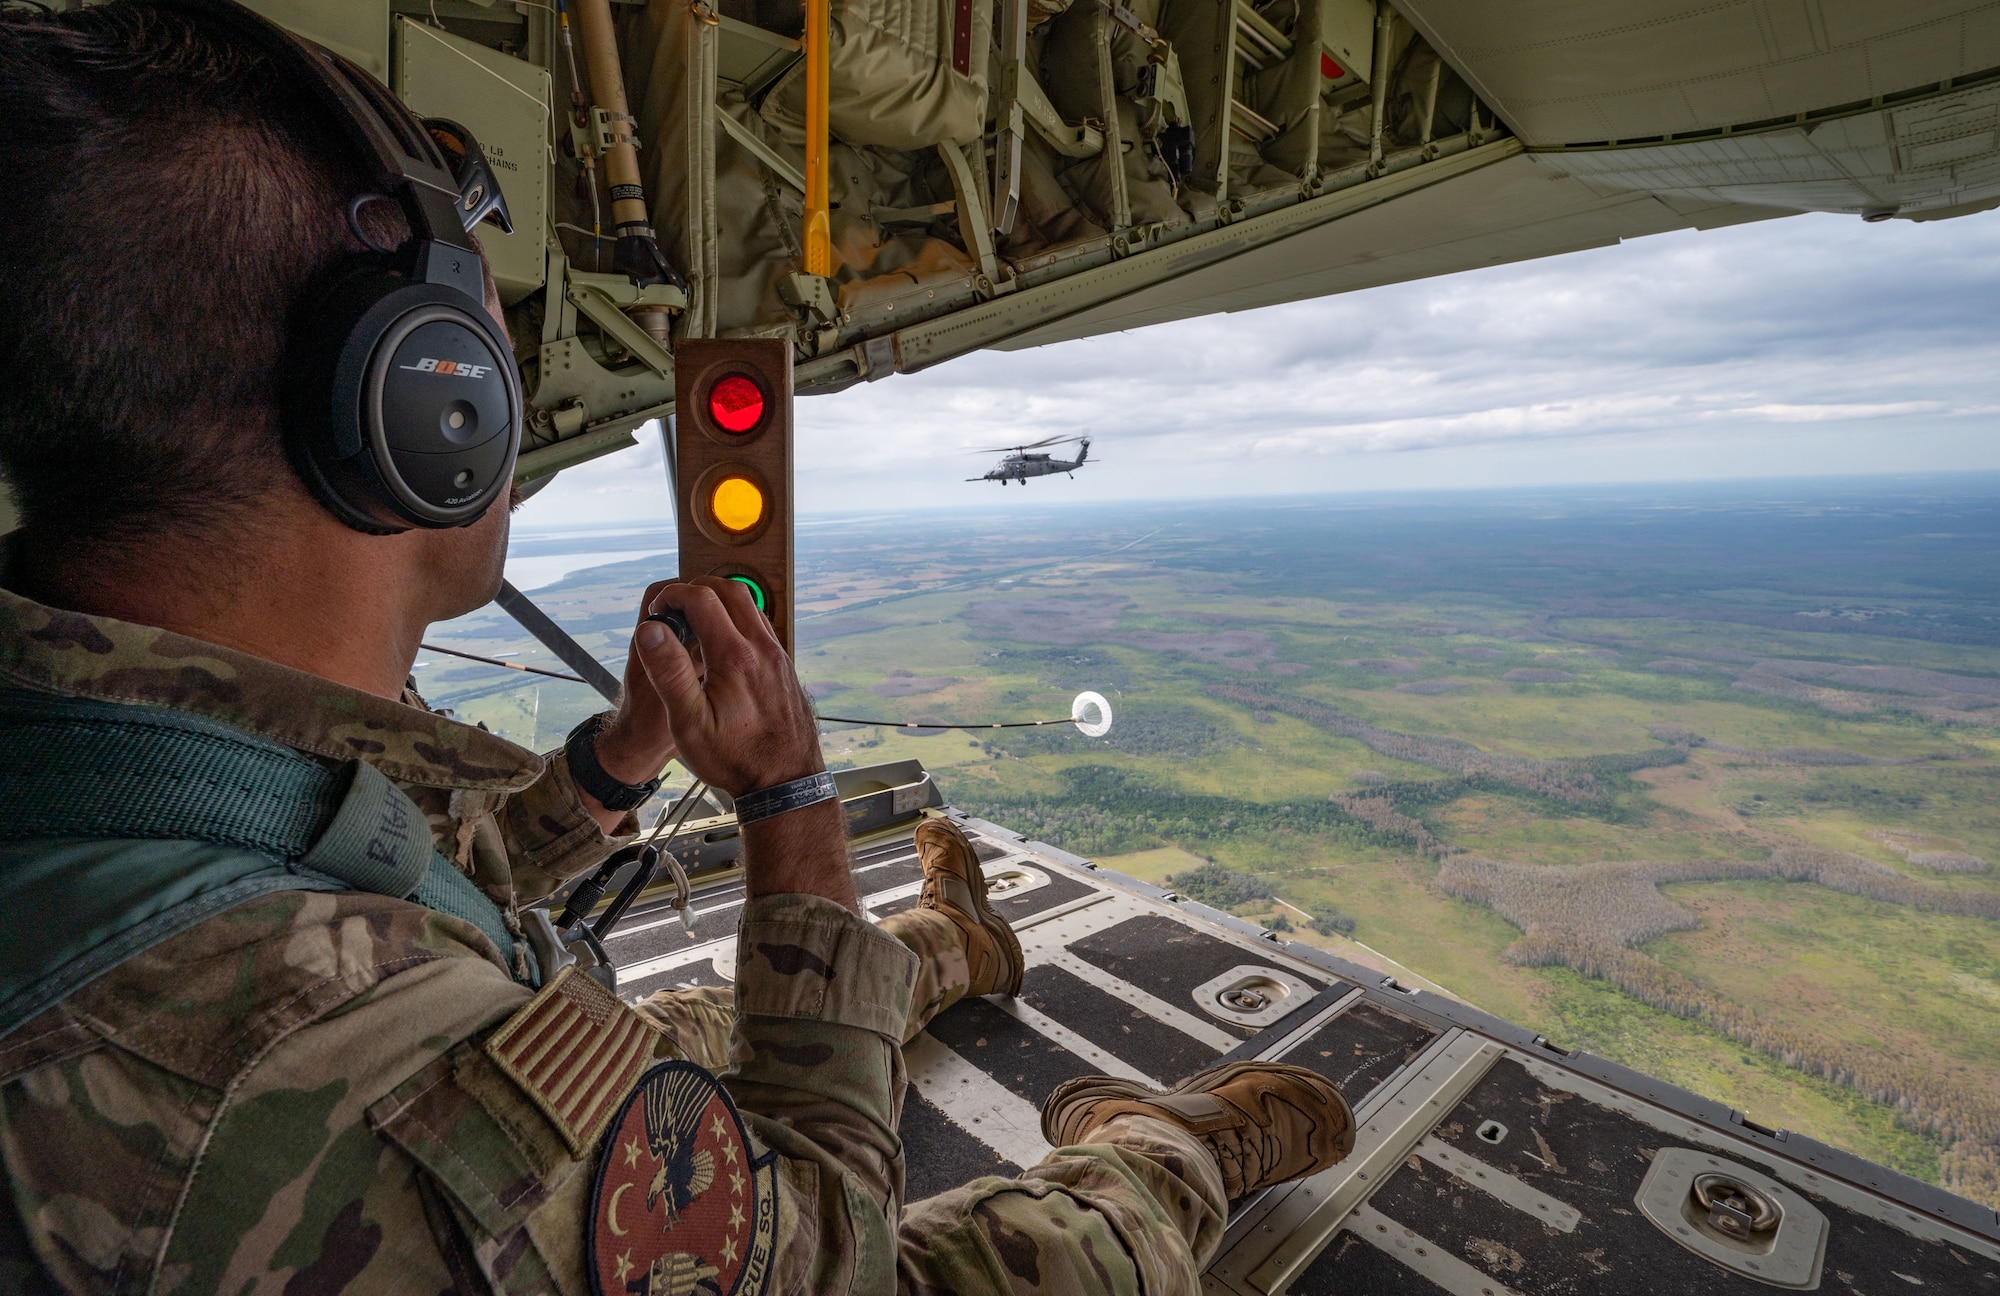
1032	445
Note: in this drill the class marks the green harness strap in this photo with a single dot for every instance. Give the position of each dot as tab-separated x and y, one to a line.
123	825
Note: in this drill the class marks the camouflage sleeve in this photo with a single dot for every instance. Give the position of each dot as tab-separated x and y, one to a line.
550	837
222	1144
816	1059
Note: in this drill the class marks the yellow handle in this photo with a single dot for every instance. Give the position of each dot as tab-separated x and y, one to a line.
818	225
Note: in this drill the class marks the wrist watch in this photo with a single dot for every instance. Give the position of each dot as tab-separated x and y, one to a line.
580	750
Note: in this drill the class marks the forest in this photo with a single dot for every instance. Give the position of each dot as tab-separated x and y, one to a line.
1702	779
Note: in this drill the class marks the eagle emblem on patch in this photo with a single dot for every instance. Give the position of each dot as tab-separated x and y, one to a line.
680	1208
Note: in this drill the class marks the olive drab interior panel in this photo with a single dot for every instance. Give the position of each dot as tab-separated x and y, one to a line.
980	153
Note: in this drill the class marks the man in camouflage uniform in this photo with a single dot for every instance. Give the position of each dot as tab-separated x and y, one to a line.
338	1090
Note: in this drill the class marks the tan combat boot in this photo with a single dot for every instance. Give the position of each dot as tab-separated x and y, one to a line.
954	886
1266	1122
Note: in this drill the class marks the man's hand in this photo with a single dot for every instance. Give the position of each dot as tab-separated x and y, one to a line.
741	719
744	724
636	743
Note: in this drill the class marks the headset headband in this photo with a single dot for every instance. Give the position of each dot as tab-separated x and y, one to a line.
403	161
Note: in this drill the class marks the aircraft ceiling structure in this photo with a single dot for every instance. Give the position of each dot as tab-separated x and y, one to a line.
1643	117
1010	173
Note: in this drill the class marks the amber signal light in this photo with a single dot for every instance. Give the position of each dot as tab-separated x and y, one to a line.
737	504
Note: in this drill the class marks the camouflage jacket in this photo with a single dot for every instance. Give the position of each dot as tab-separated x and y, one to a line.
299	1094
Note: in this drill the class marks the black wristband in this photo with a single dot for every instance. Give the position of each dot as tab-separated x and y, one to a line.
581	751
786	797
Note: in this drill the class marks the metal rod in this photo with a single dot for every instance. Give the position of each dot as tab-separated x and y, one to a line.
671	455
1378	89
818	222
1012	127
607	87
580	115
1266	128
1259	30
553	637
1431	101
649	864
1114	146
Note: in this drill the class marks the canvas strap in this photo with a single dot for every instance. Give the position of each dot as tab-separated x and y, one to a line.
87	786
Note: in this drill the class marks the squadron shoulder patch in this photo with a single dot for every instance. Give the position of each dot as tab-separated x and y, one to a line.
679	1208
574	1050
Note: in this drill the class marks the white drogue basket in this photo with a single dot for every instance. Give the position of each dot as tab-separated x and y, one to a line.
1082	709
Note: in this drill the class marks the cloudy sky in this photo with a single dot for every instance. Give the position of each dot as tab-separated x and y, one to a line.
1813	345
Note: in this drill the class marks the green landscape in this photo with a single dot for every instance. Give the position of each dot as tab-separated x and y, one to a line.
1702	781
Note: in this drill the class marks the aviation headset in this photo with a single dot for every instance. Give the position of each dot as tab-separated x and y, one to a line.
402	403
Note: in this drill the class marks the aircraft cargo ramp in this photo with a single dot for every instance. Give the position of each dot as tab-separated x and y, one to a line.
1488	1162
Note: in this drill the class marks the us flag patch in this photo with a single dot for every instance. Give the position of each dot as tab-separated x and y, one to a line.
575	1051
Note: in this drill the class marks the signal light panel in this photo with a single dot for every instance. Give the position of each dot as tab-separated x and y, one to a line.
733	446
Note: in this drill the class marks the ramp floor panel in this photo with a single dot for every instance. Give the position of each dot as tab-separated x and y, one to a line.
1595	1159
1169	959
940	1154
1351	1266
1023	1060
1361	1048
1113	970
1047	892
1163	1054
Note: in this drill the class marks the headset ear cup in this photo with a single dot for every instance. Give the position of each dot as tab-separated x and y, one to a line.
322	431
367	434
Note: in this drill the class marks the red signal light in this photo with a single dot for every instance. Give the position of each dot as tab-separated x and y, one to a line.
1328	68
736	403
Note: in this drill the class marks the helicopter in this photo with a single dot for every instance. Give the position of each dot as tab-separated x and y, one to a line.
1020	464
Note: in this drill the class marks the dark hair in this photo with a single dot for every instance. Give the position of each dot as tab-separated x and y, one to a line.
164	201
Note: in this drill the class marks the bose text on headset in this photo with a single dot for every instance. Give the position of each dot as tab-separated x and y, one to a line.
401	401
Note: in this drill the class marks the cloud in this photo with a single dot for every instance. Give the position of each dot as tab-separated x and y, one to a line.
1824	413
1811	344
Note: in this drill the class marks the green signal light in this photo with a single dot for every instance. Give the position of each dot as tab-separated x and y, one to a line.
762	600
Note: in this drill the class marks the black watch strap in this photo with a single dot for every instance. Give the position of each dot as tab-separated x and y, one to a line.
581	752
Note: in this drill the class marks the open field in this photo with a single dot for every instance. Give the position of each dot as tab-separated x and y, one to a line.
1706	782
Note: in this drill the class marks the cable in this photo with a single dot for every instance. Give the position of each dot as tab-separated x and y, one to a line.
685	804
1078	710
925	724
1090	728
495	661
887	724
584	898
683	889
